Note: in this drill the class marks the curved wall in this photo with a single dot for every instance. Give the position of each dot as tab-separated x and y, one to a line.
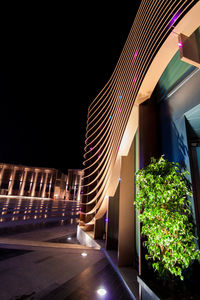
113	115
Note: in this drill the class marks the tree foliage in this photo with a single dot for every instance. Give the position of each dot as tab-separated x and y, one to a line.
166	218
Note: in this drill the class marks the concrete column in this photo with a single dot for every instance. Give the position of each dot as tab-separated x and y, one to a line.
1	174
23	183
12	182
126	236
50	186
79	190
45	185
34	183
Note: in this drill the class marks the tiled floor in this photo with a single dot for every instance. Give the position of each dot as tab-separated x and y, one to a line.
84	286
48	272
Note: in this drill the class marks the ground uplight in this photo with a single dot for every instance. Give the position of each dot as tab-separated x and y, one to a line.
102	292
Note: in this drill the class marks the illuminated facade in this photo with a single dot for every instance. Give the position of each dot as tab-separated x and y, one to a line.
74	182
27	181
17	180
131	120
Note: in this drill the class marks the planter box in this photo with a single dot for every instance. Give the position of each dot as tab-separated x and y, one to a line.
146	292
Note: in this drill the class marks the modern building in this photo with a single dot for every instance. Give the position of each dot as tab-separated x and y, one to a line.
18	180
74	183
149	107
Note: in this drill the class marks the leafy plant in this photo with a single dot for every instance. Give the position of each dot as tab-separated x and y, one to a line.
166	217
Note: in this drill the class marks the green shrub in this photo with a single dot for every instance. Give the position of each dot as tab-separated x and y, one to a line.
166	218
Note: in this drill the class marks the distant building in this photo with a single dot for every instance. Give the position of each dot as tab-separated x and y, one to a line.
74	184
18	180
60	191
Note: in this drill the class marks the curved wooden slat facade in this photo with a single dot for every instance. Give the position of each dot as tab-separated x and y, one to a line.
113	115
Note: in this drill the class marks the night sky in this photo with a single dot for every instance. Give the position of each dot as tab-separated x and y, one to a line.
54	61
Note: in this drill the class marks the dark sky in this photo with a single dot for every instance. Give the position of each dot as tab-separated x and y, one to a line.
55	59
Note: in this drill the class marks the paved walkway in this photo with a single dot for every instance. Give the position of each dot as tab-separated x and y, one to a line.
32	268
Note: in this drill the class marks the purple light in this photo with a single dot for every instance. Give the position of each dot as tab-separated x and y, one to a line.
106	220
175	17
180	44
134	80
91	148
120	110
135	55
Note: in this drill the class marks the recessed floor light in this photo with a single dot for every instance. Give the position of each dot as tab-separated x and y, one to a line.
101	292
84	254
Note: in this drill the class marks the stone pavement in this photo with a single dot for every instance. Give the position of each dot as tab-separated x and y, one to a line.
31	267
